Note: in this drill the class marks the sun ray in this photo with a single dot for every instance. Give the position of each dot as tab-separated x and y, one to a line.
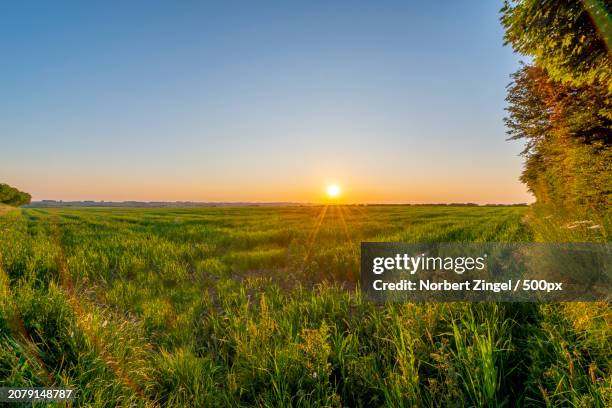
313	235
343	222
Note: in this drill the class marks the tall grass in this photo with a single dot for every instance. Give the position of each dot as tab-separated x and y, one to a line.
259	307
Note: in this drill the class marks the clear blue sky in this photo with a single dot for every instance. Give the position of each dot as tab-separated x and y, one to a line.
256	101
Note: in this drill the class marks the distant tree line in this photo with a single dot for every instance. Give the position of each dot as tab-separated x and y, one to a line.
11	196
560	103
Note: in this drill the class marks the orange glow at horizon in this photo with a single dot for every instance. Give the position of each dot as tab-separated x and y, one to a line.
308	187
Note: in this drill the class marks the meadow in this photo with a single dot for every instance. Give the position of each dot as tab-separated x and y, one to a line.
261	306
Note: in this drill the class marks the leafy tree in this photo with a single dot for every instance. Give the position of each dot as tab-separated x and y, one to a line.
11	196
561	105
568	140
570	39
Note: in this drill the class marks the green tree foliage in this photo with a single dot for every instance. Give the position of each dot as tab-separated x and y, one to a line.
570	39
11	196
561	105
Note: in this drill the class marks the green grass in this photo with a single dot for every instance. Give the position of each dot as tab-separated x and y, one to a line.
249	307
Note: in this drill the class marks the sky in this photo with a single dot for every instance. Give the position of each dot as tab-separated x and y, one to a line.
396	102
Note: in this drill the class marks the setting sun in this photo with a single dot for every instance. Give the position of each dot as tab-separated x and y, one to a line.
333	190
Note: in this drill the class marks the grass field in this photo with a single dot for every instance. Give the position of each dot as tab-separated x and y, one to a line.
261	307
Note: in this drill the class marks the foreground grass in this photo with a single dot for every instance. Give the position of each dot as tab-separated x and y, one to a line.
260	306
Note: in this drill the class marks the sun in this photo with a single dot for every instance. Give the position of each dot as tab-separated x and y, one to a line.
333	190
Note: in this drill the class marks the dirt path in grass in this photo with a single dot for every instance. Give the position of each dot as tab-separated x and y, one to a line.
84	318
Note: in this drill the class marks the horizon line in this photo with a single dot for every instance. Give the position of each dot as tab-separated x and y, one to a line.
102	203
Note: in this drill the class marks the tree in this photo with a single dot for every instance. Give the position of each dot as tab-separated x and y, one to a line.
561	105
11	196
570	39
